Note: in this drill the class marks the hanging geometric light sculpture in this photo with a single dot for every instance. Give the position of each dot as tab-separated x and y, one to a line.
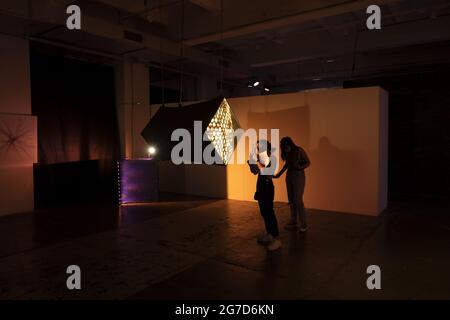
220	132
218	123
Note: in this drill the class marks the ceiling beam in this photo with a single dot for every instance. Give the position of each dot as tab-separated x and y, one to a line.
371	64
54	13
316	14
209	5
393	36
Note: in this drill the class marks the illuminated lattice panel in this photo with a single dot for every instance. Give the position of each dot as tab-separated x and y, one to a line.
220	132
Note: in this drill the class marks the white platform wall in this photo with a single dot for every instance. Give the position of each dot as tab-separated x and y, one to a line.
343	130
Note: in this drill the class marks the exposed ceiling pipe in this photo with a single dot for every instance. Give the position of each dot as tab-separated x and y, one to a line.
121	58
77	48
104	54
52	12
145	11
297	18
391	36
209	5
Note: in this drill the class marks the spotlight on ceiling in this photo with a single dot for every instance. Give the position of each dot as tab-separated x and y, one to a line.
256	84
317	79
330	60
266	89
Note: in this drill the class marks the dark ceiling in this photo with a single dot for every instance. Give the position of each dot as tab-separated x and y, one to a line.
279	42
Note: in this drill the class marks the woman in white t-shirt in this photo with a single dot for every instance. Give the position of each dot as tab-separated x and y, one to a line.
261	165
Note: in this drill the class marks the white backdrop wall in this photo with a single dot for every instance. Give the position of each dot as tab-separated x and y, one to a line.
344	131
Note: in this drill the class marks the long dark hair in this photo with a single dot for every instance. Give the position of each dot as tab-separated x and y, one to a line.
264	145
285	142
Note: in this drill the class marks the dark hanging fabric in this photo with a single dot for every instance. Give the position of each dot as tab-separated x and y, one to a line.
77	126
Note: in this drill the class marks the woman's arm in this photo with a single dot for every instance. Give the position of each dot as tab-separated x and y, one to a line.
280	173
307	162
253	168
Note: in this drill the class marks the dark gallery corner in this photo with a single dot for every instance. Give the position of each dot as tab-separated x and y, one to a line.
91	117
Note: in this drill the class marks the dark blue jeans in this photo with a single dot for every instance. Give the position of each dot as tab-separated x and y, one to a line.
295	185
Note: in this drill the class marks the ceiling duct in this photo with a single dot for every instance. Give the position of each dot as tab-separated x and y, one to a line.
132	36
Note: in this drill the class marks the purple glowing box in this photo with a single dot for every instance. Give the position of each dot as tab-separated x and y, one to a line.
138	180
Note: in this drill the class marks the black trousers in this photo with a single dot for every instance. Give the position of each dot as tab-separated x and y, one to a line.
265	191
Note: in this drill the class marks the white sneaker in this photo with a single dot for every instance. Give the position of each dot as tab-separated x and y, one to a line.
276	244
266	239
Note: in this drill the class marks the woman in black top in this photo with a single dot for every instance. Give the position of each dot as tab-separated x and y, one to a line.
296	161
265	193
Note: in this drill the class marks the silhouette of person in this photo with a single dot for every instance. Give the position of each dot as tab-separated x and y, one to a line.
296	161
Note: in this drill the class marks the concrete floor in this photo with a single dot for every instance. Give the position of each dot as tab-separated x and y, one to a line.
196	248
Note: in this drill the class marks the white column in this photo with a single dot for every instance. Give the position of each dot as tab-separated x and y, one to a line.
133	107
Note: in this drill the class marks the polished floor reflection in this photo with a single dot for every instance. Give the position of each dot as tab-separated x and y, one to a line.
198	248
